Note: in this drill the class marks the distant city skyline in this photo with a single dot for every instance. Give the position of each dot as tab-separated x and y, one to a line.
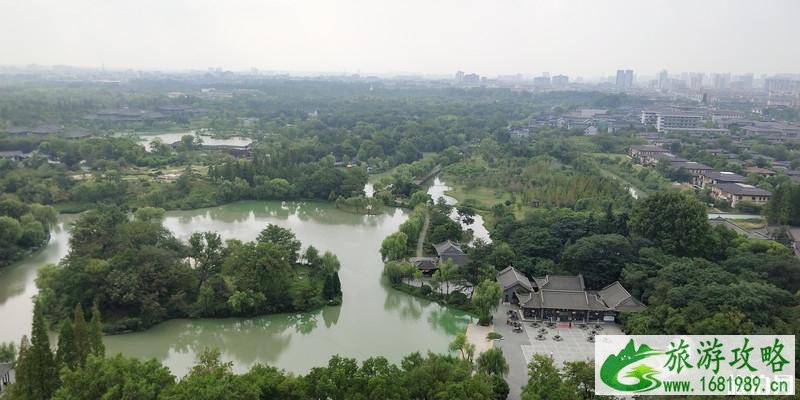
575	38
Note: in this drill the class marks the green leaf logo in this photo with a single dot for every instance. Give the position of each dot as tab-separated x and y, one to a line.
644	374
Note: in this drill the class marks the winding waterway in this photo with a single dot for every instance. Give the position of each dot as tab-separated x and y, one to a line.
372	320
437	189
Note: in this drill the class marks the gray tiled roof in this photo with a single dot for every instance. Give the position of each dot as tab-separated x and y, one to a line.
630	305
75	134
447	247
690	165
613	297
613	294
724	176
560	282
510	277
649	148
425	263
458	259
742	189
451	251
558	299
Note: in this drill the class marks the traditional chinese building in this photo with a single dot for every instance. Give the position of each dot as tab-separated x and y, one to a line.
565	298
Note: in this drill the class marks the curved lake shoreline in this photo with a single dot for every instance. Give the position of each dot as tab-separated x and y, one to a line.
372	320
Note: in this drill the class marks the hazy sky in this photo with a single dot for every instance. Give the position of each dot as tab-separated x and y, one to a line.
574	37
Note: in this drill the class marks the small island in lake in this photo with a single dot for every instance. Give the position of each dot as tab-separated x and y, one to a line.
140	274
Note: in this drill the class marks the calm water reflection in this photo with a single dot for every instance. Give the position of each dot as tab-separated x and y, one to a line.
172	137
373	319
17	283
437	189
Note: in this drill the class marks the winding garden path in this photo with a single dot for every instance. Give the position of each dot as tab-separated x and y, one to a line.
423	233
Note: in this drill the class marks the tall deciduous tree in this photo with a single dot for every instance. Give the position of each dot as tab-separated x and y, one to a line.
284	239
673	221
463	346
492	362
447	273
545	382
206	250
116	378
485	298
599	258
394	246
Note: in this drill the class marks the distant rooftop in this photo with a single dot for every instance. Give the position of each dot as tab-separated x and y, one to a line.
650	148
742	189
724	176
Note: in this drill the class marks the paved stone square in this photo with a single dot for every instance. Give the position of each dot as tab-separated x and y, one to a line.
574	347
519	348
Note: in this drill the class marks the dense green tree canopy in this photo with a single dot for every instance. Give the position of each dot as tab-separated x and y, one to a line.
139	274
673	221
599	258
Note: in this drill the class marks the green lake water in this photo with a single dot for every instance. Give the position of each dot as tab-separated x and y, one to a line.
372	320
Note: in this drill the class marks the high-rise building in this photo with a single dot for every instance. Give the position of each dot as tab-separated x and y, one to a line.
663	79
720	81
541	81
471	78
620	83
696	81
560	80
781	85
459	76
745	81
624	79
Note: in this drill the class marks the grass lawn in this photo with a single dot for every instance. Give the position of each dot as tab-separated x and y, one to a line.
72	207
374	178
482	198
613	156
752	223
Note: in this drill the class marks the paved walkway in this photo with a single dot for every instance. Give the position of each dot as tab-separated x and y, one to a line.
511	344
423	234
